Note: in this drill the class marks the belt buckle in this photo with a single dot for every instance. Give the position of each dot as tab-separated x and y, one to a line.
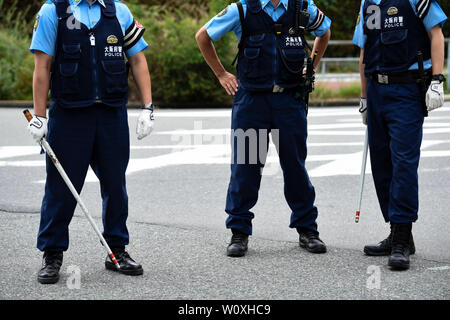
277	89
383	78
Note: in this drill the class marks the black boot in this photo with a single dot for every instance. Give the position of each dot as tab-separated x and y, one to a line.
238	245
51	263
127	265
401	234
384	247
310	240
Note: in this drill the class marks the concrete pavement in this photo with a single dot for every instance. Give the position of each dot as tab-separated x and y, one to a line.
177	181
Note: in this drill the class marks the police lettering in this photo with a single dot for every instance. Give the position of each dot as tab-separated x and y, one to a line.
113	51
394	22
294	42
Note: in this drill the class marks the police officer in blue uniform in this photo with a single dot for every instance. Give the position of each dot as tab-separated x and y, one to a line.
266	98
79	48
402	59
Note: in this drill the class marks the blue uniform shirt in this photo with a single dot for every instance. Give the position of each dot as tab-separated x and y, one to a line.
434	17
228	20
46	26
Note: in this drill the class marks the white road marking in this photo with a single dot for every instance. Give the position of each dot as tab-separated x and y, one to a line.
427	120
18	151
211	146
223	113
439	268
187	114
311	132
339	164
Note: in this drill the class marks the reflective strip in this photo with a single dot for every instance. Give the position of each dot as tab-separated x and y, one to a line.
422	8
133	35
318	21
129	33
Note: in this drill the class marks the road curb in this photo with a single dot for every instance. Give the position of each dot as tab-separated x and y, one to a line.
136	105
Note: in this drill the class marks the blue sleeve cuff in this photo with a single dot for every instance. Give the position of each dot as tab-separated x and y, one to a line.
226	21
40	48
325	26
359	38
434	17
138	47
213	32
45	30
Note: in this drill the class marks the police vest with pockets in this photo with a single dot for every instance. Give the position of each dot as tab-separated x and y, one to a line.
89	64
269	53
393	40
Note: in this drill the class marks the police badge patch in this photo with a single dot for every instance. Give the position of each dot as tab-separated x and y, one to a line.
223	12
112	39
36	23
392	11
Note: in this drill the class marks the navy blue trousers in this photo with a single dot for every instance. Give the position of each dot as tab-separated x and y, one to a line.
264	112
97	136
395	122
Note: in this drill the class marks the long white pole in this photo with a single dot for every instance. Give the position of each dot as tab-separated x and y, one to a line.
363	173
74	192
448	64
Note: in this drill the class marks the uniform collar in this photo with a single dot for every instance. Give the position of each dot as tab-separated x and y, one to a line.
264	3
77	2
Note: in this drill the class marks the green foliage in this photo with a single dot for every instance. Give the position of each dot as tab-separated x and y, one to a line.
17	67
177	67
179	72
322	93
15	60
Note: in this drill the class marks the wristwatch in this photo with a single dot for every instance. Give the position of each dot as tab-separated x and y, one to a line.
438	77
149	106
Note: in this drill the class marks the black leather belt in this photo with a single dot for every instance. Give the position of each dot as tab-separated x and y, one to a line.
407	77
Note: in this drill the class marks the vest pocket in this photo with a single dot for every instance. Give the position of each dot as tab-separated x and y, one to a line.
71	51
394	48
291	68
252	61
256	39
69	78
116	84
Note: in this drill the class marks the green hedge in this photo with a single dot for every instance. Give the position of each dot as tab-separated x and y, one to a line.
179	73
16	63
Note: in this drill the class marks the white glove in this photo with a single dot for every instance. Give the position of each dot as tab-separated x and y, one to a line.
363	110
145	124
38	128
435	95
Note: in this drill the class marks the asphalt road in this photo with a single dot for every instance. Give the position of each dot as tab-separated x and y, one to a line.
177	181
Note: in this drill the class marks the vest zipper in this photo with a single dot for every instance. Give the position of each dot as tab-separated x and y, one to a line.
94	62
275	70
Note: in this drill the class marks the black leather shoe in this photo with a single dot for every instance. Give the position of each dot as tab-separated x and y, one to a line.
401	235
384	248
127	265
310	241
238	246
51	263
